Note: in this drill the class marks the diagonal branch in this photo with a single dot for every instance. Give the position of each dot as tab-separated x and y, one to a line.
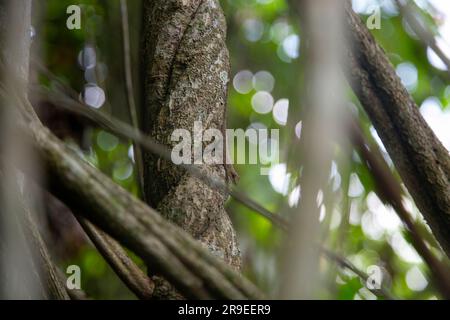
345	263
133	277
419	156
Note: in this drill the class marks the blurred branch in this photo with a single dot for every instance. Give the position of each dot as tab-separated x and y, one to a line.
321	128
390	191
27	270
345	263
130	92
49	279
135	279
420	29
420	158
364	85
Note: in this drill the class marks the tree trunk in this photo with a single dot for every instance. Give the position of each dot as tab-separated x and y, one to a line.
185	74
23	253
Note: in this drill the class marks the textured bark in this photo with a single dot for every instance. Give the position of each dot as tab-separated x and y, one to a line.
419	156
186	73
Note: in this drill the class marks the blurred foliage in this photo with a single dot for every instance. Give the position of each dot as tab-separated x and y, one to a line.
263	35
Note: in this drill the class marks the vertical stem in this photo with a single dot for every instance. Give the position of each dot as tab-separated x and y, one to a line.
130	92
17	261
320	131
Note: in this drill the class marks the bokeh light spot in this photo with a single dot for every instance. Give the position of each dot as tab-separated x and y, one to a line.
262	102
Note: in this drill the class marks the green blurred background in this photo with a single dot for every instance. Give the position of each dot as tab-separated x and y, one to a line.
265	46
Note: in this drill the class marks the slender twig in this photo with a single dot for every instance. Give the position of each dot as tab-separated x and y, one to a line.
130	92
345	263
